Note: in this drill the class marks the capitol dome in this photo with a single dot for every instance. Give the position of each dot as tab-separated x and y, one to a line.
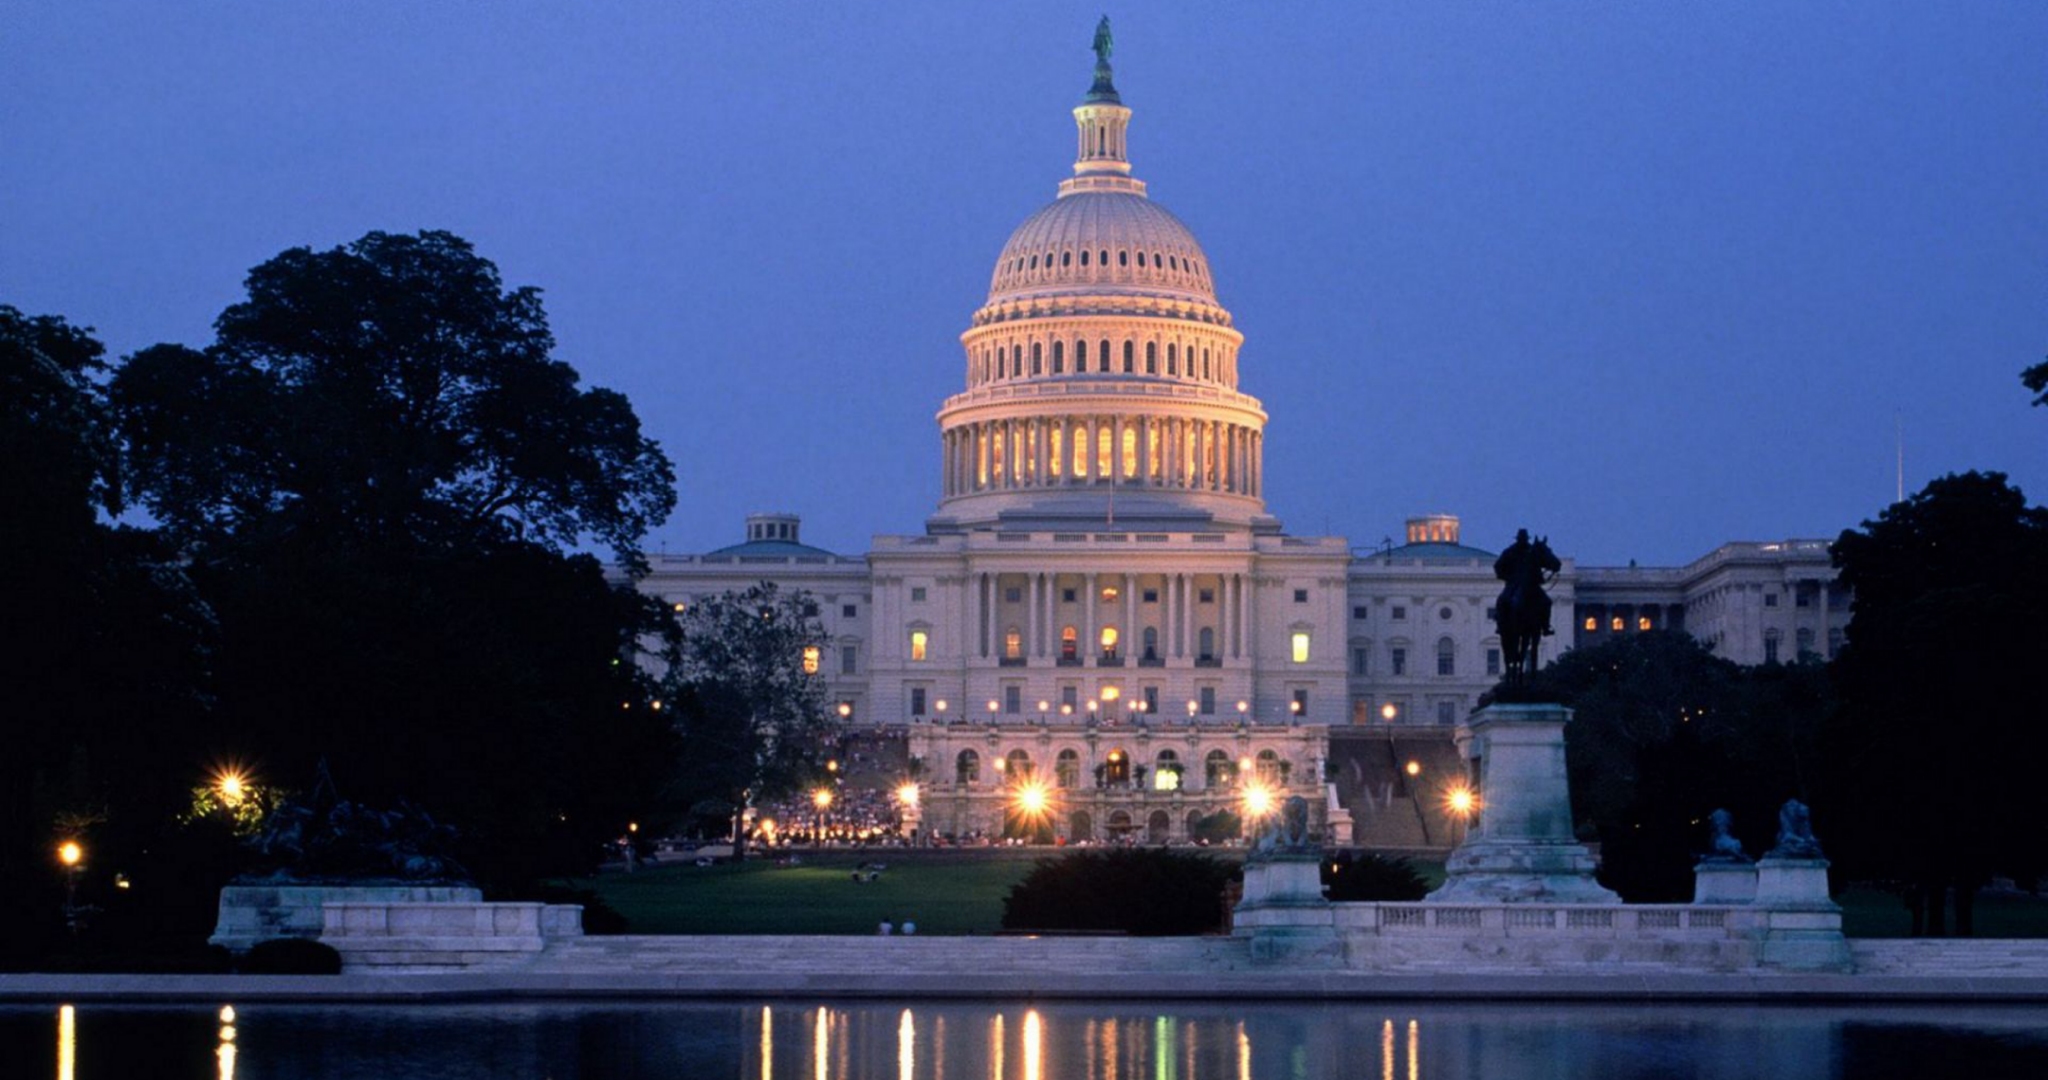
1116	241
1102	370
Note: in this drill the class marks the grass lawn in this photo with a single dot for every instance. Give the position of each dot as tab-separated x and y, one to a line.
954	893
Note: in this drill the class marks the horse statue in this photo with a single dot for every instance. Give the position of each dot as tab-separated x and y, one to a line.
1522	615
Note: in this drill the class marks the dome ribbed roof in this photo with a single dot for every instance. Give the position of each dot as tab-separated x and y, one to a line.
1103	242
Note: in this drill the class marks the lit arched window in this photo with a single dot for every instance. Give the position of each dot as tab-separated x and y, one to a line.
1298	647
1070	643
919	643
1013	643
811	655
1166	771
967	768
1109	643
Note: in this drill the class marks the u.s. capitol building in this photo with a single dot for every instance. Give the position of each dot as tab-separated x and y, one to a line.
1103	601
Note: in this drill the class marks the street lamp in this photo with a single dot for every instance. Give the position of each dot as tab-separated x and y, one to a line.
1192	707
1243	707
72	854
1388	712
845	709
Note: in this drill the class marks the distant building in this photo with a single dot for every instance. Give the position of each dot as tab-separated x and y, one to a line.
1102	602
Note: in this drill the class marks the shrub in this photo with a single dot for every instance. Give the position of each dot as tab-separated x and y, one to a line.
598	917
1371	877
1217	827
1151	891
291	956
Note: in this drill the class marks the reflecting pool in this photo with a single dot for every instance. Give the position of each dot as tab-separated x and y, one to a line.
996	1041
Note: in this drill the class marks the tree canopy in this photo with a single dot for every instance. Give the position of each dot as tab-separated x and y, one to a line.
753	720
1934	751
387	392
378	470
1663	733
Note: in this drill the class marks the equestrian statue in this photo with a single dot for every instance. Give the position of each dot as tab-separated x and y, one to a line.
1522	615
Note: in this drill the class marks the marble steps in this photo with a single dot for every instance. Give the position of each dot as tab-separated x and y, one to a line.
936	954
1950	956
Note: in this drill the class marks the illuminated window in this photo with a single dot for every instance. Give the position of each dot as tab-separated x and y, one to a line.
1616	624
919	641
1109	594
811	656
1069	643
1300	651
1130	450
1642	622
1103	448
1109	643
1166	773
1013	643
1592	624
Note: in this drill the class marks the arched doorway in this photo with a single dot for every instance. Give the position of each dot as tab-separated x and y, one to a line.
1116	768
1158	827
967	768
1082	827
1119	825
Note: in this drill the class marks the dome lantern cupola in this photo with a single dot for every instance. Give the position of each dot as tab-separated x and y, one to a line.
1103	121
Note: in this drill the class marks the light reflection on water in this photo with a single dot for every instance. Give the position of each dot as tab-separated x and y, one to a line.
1098	1041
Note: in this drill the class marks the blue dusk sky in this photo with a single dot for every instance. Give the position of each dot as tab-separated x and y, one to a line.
1643	276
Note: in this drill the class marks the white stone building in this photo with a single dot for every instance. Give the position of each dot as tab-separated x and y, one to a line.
1102	599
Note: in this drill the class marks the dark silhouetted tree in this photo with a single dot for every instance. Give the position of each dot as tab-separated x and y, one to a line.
378	469
1934	754
755	725
1664	732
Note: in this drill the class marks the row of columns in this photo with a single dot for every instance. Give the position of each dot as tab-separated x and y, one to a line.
1178	624
1035	452
1007	361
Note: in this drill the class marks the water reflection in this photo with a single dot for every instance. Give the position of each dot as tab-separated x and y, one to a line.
938	1041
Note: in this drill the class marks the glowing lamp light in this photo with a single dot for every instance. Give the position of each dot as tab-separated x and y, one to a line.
991	706
821	798
1413	768
1461	801
1032	799
1192	707
1044	705
1294	706
1258	801
1388	711
232	785
907	794
942	704
845	709
1243	707
70	853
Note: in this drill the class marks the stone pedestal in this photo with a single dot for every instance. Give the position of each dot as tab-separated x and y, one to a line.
1724	881
1802	925
1519	846
1284	913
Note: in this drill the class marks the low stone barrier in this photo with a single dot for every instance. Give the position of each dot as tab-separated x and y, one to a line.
448	936
253	911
